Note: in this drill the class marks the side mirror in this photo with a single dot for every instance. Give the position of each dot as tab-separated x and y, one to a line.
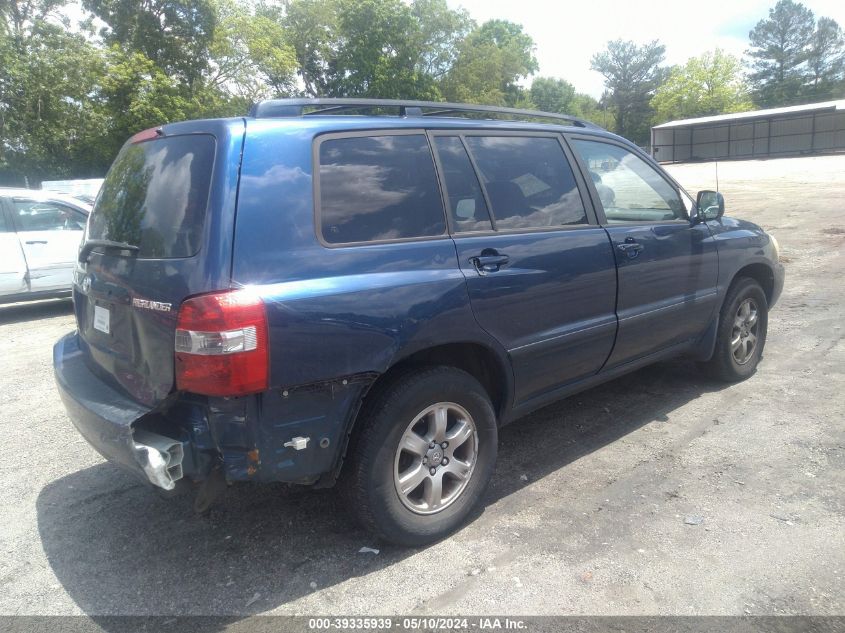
711	205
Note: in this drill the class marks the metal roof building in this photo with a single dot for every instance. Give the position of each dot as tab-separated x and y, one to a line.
804	129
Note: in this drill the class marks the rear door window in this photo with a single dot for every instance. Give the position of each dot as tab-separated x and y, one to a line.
155	196
377	188
467	206
529	181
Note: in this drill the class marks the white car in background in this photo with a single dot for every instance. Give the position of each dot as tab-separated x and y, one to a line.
40	232
82	189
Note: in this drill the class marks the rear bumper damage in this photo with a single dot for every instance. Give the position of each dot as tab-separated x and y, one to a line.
105	418
294	435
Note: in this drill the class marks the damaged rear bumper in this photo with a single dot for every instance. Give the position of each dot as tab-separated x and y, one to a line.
293	435
105	418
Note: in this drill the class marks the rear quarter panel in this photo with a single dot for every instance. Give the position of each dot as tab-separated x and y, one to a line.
335	311
337	316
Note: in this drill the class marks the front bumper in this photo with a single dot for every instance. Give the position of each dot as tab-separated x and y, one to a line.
101	414
777	287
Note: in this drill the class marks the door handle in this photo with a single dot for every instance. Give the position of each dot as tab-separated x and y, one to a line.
36	241
631	249
489	262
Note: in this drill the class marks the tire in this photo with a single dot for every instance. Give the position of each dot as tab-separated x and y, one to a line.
410	411
732	362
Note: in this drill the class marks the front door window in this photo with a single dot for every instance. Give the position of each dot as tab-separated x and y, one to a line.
629	188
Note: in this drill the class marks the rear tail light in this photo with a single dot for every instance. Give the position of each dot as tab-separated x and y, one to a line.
221	344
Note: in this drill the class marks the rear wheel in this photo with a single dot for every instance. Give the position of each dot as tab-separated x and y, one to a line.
423	457
743	324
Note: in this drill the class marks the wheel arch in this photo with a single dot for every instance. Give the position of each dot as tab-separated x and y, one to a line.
480	361
483	362
761	273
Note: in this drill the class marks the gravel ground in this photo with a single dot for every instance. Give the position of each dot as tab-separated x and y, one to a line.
658	493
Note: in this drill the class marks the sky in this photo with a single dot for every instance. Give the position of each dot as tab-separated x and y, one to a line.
568	33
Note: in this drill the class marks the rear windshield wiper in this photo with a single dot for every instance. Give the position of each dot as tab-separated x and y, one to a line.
90	245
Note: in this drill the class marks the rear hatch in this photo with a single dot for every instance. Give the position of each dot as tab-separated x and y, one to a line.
160	231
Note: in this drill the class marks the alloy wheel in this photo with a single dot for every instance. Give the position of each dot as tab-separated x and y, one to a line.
745	331
435	458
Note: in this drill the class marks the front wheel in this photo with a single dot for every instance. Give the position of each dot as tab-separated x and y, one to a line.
423	457
743	324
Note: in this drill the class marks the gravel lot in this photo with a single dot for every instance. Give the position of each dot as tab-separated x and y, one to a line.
587	513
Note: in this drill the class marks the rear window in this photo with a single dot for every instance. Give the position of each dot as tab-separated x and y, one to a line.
375	188
155	196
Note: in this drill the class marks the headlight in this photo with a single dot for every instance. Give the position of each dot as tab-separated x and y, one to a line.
776	245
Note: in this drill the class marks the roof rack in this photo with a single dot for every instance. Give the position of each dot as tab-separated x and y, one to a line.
273	108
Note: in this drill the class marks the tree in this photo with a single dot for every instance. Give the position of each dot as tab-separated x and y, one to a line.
173	34
48	115
826	61
373	48
632	74
588	108
19	16
380	54
391	48
250	57
311	27
490	62
553	95
438	36
779	49
705	85
136	94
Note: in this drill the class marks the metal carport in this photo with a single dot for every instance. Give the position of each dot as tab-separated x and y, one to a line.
805	129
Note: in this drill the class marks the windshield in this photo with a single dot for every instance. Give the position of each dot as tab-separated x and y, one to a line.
155	196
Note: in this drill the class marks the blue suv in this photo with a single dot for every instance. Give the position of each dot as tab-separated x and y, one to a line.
362	292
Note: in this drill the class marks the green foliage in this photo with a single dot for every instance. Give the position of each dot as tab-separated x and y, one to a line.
553	95
590	109
71	94
632	74
558	95
490	62
705	85
311	28
70	97
250	57
174	34
376	56
438	36
47	111
136	94
374	48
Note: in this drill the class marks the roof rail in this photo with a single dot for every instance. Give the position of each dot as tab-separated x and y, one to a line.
273	108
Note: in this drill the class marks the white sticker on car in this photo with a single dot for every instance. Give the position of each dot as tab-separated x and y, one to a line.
101	319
